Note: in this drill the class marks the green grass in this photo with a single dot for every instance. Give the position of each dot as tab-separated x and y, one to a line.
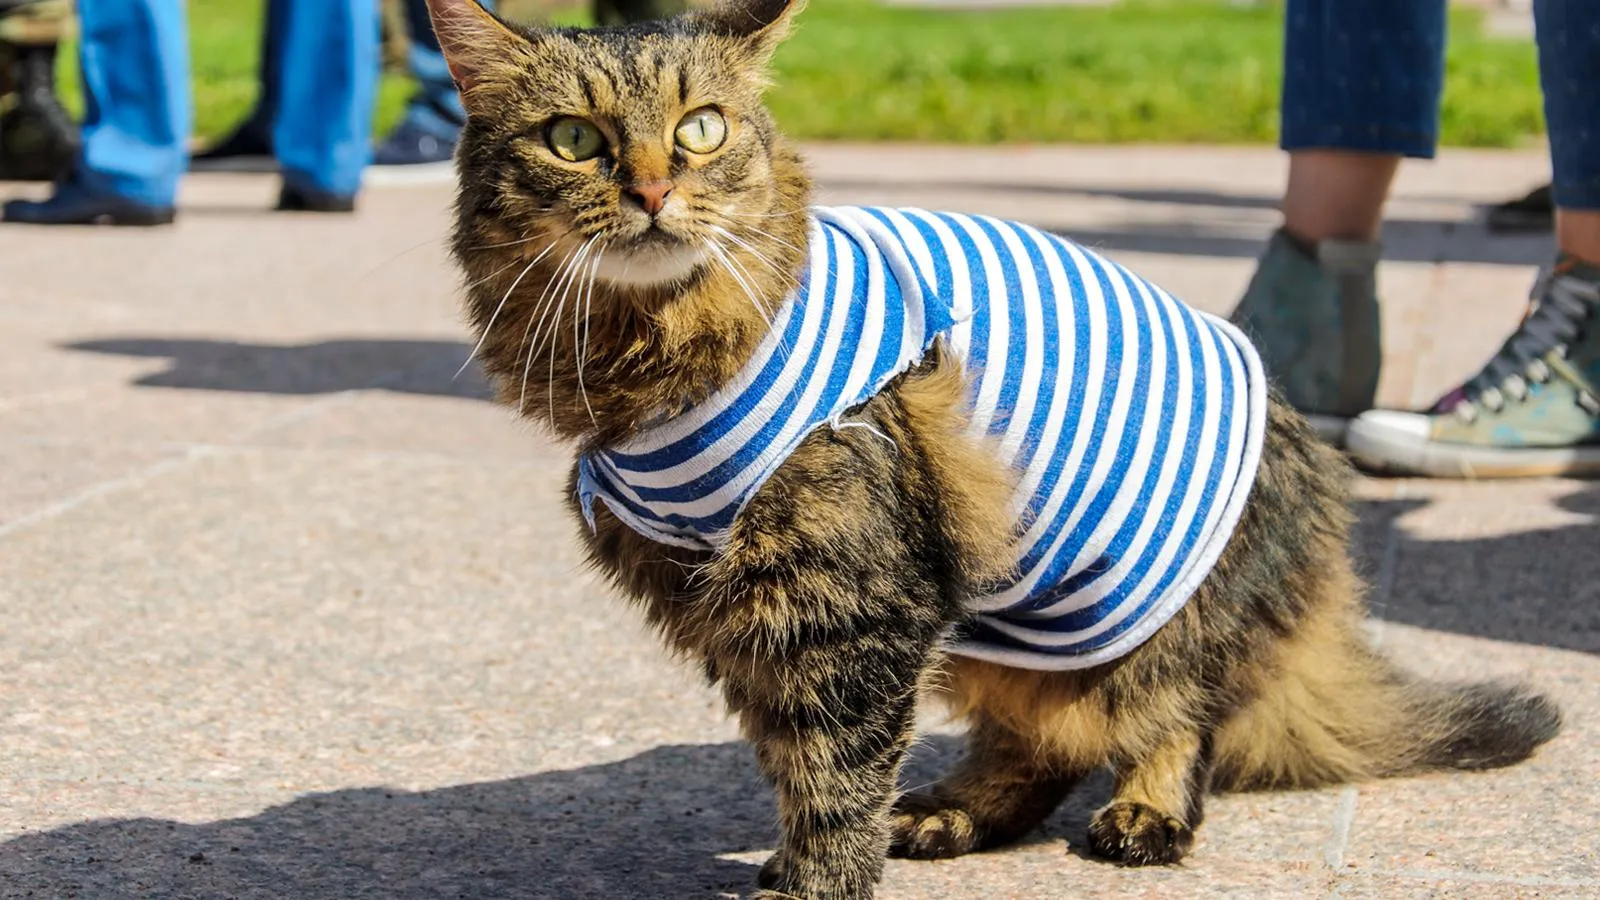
1154	71
1138	72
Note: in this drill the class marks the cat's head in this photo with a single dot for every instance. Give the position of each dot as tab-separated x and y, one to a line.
647	144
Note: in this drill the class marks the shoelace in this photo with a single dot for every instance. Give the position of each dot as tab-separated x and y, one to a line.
1562	304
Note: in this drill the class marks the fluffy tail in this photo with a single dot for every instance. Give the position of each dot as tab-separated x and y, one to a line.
1336	711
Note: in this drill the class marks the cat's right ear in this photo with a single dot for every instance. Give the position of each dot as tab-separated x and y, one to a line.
475	43
760	24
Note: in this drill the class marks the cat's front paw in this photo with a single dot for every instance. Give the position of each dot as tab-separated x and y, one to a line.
924	826
1138	835
778	882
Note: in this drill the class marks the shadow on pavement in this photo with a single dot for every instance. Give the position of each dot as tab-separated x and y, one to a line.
1539	587
1218	235
655	825
662	823
1404	240
407	366
650	826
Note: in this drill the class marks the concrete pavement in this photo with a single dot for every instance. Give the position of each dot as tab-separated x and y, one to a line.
286	611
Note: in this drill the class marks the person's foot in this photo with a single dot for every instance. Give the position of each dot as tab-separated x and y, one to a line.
300	199
1533	410
74	204
1313	315
1533	211
248	148
411	145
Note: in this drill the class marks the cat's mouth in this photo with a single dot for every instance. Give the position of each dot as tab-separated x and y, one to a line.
653	258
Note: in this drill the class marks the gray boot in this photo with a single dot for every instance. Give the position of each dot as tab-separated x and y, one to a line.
1315	322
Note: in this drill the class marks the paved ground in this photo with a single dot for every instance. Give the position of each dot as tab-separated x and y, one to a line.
285	611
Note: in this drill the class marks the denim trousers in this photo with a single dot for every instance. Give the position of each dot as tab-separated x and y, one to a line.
1366	75
435	107
135	58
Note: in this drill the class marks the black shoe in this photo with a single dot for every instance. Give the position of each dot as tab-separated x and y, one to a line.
73	204
1534	211
409	145
298	199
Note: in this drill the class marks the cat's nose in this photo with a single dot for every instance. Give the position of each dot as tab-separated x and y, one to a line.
651	197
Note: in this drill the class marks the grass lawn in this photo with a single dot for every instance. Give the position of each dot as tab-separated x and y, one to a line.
1178	71
1150	71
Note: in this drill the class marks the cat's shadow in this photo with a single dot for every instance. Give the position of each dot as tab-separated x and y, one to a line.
686	821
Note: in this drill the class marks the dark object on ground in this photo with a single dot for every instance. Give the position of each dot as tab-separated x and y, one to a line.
294	199
249	147
1533	211
75	204
38	139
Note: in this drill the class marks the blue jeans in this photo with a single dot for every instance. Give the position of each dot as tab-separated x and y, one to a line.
436	106
1366	75
135	57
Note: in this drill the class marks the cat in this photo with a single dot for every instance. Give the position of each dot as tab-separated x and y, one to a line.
641	257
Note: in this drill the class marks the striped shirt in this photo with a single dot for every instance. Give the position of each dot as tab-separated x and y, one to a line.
1133	423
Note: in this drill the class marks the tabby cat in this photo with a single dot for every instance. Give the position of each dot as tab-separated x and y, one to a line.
645	274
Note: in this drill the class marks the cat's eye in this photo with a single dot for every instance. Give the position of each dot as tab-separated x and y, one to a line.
702	131
574	139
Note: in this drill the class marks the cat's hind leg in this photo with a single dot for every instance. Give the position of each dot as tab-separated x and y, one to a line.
1001	790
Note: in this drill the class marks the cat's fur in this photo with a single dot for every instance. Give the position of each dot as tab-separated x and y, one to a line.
822	617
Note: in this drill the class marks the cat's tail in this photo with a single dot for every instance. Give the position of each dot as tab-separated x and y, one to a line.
1338	711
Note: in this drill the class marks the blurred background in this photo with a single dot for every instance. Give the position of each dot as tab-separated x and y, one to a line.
981	71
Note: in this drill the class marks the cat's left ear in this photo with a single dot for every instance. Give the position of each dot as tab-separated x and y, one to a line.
760	24
476	45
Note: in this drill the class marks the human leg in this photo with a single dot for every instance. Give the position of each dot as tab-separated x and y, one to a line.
1361	89
328	73
433	119
135	61
1534	409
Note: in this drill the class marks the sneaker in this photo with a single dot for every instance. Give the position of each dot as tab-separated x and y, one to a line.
1313	315
1533	410
74	204
411	145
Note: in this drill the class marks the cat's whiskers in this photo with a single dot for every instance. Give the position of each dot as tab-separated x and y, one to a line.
533	315
491	276
561	305
523	240
767	235
583	346
752	214
760	257
502	304
727	261
562	283
541	313
750	282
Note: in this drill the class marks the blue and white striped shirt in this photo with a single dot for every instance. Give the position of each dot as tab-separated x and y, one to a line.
1132	423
